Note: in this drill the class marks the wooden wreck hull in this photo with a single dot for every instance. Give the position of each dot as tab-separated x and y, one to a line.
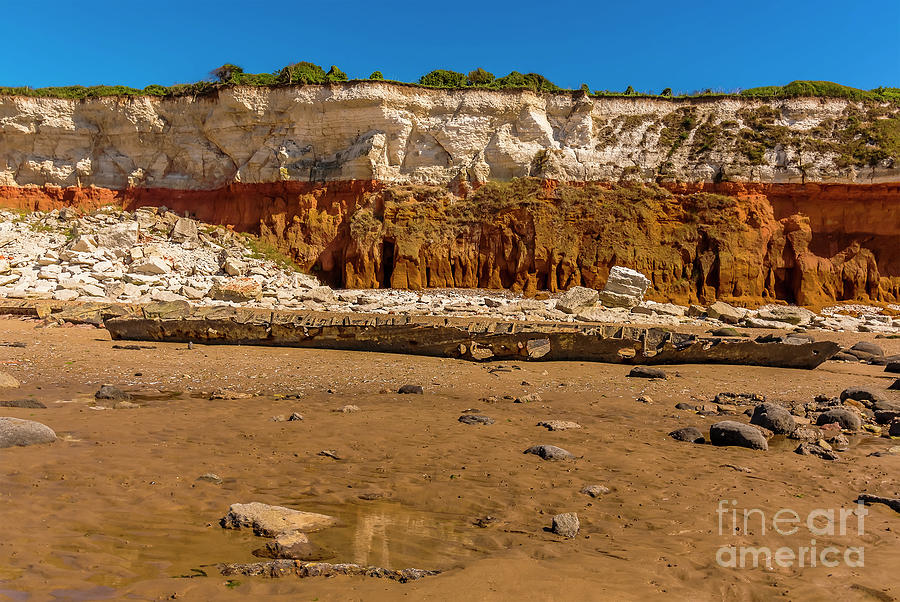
458	337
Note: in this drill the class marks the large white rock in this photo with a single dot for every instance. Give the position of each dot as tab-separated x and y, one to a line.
15	431
724	312
624	288
119	237
271	521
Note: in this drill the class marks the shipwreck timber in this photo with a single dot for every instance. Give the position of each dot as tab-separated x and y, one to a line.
459	337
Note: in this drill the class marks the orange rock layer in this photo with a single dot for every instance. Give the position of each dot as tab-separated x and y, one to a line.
744	242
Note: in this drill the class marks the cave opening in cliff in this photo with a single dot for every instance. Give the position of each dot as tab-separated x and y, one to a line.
387	262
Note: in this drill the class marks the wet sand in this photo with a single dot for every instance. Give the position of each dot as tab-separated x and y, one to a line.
113	509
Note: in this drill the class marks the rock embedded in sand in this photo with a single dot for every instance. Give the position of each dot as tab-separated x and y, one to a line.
549	452
773	417
867	347
595	490
18	432
7	381
347	409
272	521
725	331
210	477
647	372
112	392
566	524
558	425
892	367
894	430
731	433
411	390
847	419
22	403
476	419
690	434
893	503
576	298
530	398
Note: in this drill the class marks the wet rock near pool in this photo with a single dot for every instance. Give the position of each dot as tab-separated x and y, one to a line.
689	434
15	432
773	417
647	372
112	393
731	433
271	521
566	524
549	452
847	419
296	568
814	449
294	546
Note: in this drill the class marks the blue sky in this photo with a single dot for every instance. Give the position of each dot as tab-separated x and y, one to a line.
648	44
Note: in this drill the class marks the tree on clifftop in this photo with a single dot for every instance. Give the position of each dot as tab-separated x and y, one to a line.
226	73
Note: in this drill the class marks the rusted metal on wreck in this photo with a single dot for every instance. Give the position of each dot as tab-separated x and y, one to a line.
460	337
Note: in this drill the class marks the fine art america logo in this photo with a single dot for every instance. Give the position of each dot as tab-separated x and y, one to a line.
820	522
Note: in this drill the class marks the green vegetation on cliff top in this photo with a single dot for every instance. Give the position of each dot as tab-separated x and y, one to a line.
304	73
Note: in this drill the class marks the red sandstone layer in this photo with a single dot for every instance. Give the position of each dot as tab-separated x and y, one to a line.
807	243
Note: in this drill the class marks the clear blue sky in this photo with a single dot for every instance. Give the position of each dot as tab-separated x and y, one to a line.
650	44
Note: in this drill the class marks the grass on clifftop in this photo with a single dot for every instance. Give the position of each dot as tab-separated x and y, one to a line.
304	73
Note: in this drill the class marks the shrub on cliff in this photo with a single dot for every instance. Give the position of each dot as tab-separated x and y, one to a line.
443	78
529	81
303	72
336	75
377	76
480	77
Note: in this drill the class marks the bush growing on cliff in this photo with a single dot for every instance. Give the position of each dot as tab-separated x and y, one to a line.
336	75
303	72
480	77
377	76
443	78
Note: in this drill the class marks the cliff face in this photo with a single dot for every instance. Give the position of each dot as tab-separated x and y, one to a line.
373	184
